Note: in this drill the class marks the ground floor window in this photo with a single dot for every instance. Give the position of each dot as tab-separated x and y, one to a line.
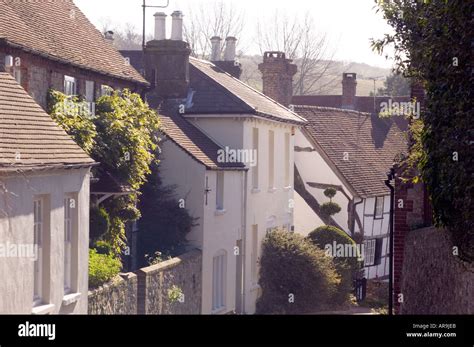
219	264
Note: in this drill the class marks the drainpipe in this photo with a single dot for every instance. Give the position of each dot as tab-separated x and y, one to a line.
390	177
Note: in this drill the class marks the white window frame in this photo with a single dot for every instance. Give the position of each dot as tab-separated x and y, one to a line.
220	182
17	74
219	270
378	210
369	252
255	169
90	96
38	232
271	159
70	85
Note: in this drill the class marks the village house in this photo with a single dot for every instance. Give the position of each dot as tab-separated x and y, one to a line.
44	210
347	150
52	45
228	149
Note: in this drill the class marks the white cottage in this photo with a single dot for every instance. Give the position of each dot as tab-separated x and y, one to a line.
230	152
44	210
350	151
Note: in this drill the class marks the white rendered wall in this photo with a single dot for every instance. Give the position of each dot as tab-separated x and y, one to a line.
16	227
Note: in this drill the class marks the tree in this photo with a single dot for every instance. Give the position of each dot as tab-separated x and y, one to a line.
330	208
165	222
298	38
395	85
432	41
221	18
121	136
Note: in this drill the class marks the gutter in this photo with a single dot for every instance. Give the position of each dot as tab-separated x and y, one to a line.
390	177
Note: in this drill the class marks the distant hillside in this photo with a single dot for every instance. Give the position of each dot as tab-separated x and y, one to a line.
330	83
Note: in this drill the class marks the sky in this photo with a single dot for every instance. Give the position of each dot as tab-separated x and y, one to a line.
348	24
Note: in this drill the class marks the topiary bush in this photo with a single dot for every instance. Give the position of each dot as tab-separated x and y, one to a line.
346	266
102	268
330	208
330	192
295	275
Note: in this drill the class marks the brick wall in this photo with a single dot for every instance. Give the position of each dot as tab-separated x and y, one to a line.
410	213
39	74
147	290
434	280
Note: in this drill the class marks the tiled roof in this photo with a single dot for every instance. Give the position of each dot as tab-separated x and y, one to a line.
218	92
192	140
29	138
369	144
362	103
58	30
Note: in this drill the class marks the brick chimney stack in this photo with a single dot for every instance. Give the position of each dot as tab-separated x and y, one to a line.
167	60
229	64
349	89
277	74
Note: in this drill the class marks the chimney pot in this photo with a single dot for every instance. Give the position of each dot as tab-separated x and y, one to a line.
109	35
230	45
160	26
177	26
216	48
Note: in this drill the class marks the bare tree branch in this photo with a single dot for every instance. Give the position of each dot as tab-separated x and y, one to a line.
299	39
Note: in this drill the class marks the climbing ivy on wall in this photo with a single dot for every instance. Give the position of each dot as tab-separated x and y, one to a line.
121	136
432	41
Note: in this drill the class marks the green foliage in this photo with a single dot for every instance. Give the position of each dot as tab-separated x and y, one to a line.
99	223
330	208
347	267
102	268
432	41
330	192
74	117
121	136
395	85
175	294
293	268
165	221
156	258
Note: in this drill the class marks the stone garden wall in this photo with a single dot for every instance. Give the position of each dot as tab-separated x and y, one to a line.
434	281
170	287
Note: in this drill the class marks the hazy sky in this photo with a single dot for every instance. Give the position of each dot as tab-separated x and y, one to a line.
349	24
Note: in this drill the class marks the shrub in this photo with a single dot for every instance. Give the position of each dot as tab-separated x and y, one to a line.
102	268
347	267
293	268
330	208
